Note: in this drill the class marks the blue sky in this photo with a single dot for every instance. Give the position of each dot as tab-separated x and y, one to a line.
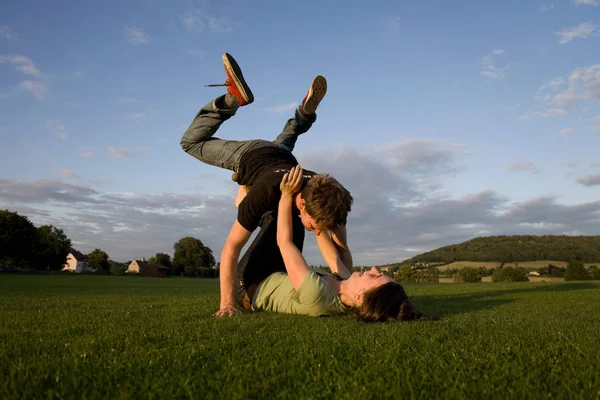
446	120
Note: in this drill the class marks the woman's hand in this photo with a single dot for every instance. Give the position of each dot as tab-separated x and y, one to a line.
291	181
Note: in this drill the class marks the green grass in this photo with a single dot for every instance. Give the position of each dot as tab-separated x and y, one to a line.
132	338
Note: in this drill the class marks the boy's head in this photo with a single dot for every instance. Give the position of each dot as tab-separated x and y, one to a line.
326	203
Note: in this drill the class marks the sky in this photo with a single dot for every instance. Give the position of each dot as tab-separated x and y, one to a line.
446	120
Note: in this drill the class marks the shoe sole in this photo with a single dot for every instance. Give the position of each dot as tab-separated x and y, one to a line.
318	89
233	69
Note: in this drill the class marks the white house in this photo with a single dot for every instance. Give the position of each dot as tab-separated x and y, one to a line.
76	262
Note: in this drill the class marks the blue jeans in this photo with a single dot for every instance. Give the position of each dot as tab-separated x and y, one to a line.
199	141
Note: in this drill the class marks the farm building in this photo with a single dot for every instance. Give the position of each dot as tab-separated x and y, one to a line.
76	262
145	268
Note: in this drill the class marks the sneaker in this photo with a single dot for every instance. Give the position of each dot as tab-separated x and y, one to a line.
315	94
236	85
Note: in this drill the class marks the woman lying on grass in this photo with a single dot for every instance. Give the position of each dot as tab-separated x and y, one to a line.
370	296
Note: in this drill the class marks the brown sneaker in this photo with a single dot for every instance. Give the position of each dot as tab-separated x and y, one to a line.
236	85
315	94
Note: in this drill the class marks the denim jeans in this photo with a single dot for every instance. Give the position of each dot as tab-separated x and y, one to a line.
199	141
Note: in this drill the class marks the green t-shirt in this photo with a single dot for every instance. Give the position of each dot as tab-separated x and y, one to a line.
314	297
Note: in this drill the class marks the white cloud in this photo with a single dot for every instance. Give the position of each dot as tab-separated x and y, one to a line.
198	20
554	83
566	131
490	70
584	84
595	120
523	166
118	152
39	89
395	24
69	174
58	127
581	31
136	116
589	180
547	7
136	36
422	157
21	63
87	154
6	33
130	100
549	113
592	3
197	53
282	107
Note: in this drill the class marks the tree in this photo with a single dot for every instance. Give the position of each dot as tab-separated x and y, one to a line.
17	240
510	274
161	258
192	257
98	260
405	274
576	272
468	275
53	246
594	272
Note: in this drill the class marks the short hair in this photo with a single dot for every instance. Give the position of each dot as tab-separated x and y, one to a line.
327	201
388	302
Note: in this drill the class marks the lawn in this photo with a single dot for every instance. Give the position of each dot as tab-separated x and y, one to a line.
135	338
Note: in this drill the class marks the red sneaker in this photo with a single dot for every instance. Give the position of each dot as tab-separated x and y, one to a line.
315	94
236	85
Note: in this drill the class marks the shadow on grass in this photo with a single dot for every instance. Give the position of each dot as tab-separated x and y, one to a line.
456	304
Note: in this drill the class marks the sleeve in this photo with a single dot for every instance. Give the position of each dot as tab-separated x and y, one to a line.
311	291
258	201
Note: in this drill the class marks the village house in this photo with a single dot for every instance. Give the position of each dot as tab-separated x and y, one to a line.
76	262
144	268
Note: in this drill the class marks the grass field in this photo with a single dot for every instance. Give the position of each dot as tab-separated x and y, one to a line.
135	338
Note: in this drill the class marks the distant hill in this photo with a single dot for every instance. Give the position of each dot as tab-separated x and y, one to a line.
515	248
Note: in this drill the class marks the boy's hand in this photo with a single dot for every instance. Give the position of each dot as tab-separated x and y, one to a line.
291	181
227	311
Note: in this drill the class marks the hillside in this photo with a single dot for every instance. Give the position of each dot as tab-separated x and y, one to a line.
515	248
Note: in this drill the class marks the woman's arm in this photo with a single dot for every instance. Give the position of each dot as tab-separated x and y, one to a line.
295	264
331	255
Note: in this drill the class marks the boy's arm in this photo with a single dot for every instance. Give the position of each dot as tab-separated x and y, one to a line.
331	255
340	239
242	192
238	236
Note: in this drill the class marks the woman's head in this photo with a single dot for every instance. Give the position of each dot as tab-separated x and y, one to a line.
359	283
374	297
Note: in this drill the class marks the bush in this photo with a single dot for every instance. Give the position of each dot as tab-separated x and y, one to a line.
408	275
468	275
510	274
557	272
576	272
594	272
117	270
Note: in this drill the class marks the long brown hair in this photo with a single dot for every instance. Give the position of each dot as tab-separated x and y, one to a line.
388	302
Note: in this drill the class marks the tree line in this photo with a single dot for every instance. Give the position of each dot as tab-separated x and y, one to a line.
515	248
45	248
